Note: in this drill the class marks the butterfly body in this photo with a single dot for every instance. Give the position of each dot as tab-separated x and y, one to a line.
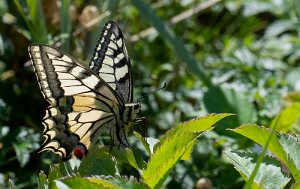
85	100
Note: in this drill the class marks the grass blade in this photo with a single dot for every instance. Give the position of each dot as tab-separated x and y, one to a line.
167	34
65	23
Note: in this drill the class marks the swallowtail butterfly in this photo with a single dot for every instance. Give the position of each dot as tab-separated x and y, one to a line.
84	100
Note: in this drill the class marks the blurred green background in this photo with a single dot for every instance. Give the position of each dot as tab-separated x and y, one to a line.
236	56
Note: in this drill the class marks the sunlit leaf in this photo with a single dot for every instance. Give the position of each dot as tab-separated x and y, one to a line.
288	117
99	182
176	145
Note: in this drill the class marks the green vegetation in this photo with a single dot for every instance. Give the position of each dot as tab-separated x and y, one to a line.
229	114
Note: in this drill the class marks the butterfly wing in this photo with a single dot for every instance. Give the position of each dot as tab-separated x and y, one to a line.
111	61
81	103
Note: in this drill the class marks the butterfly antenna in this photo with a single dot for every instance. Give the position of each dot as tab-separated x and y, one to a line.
143	95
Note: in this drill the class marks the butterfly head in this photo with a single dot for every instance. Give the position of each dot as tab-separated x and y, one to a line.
132	110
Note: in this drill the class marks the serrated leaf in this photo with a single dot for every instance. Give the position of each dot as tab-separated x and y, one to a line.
79	182
197	125
119	182
291	146
152	142
176	144
187	155
269	174
100	182
165	158
283	145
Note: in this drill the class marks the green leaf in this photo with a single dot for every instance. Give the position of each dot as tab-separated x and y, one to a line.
221	99
25	142
283	145
130	157
65	23
100	182
119	182
297	7
97	162
22	152
80	182
54	173
291	146
176	145
165	158
145	144
70	167
197	125
36	22
269	174
28	23
287	118
138	159
279	27
296	185
42	181
169	36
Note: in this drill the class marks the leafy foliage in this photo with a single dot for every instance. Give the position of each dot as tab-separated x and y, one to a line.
170	149
282	145
269	174
239	57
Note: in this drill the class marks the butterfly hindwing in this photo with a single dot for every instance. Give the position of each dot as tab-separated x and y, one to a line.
81	103
111	61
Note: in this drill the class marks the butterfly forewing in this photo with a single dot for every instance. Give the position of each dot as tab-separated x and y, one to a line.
81	103
111	61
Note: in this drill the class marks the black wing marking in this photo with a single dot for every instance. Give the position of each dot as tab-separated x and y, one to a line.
111	61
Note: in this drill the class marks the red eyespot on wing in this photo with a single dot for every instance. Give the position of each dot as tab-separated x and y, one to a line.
80	151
